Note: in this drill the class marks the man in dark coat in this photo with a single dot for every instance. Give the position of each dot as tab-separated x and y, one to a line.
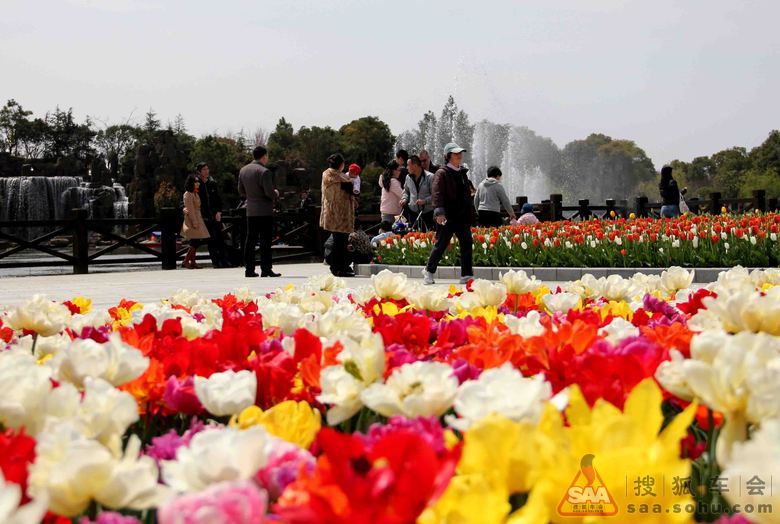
256	184
453	212
211	210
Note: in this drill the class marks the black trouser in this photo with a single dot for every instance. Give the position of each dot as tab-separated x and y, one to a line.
338	259
444	234
217	250
490	219
262	228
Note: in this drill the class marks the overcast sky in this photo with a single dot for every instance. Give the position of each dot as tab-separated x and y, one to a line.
680	77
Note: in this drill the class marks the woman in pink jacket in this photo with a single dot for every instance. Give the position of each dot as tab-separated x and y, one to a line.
392	192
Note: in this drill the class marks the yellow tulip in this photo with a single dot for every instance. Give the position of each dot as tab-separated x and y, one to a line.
84	304
501	458
292	421
617	309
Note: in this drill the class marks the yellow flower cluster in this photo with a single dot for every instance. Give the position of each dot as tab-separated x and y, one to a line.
292	421
503	458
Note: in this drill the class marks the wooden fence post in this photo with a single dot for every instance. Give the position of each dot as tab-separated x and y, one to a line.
80	241
610	208
545	211
557	206
759	200
715	203
771	204
641	206
584	210
168	222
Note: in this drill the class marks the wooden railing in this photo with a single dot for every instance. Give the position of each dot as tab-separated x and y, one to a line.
553	208
297	231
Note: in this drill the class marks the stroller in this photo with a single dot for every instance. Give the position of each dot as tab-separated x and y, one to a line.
418	224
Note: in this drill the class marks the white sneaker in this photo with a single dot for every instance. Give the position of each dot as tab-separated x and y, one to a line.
465	280
427	277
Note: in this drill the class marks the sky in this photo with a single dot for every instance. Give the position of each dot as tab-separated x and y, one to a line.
682	78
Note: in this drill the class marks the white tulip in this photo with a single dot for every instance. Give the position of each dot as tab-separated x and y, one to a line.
561	302
134	481
69	469
676	278
429	298
116	362
488	293
519	282
11	512
24	386
228	392
752	465
503	391
389	285
41	315
419	389
216	455
528	326
619	329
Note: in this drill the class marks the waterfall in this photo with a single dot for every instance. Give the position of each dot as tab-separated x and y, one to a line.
26	198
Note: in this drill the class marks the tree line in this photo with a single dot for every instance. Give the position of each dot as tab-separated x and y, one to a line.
152	159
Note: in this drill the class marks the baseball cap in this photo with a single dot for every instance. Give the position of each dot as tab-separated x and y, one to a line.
452	147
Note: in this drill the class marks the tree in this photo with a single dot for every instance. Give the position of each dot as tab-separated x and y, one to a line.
767	155
281	143
445	126
151	125
730	167
367	140
314	145
427	132
12	119
66	138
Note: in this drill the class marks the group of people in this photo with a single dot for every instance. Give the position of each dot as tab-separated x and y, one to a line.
413	189
203	217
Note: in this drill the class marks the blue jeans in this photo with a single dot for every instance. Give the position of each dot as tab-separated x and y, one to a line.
670	211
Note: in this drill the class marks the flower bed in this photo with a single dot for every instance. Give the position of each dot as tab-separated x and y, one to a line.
394	403
690	241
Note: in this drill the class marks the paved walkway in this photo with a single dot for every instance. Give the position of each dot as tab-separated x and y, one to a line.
106	289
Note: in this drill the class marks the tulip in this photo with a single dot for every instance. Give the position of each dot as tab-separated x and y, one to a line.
228	392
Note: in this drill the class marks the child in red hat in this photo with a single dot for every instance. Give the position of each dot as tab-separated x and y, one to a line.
354	173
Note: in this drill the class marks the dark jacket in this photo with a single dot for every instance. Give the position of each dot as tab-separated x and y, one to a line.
452	195
210	201
670	193
256	184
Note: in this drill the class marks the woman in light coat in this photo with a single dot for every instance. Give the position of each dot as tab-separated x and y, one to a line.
338	214
194	228
390	205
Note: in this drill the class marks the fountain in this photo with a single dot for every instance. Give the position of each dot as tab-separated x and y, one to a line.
519	152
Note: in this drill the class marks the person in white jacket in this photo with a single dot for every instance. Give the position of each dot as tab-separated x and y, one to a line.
490	198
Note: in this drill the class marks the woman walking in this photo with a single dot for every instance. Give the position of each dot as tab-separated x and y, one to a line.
490	198
670	194
194	228
391	203
338	214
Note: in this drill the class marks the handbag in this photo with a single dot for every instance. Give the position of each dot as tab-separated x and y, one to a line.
683	205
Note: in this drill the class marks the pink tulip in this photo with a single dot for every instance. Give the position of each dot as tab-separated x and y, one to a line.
226	502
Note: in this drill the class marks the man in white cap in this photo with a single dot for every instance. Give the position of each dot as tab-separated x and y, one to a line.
454	213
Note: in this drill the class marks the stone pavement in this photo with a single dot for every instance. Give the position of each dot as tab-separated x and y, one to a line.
106	289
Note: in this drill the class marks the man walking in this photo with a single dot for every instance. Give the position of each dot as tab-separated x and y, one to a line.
417	193
454	212
211	210
256	184
425	160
